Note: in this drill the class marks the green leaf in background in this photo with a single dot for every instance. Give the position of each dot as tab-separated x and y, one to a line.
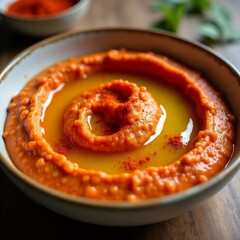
198	6
231	35
219	28
210	30
173	16
221	16
173	12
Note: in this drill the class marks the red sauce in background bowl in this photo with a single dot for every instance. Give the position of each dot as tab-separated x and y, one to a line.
38	8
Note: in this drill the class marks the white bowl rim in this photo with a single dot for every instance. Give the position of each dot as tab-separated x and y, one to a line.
118	205
65	13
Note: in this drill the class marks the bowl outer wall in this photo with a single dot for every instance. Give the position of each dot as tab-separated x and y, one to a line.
58	48
120	215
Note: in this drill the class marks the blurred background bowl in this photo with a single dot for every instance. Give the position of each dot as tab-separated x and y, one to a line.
44	26
47	52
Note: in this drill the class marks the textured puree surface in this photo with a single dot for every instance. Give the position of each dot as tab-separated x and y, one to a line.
177	108
127	114
133	178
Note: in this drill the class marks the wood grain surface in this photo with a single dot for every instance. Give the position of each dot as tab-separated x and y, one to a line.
217	218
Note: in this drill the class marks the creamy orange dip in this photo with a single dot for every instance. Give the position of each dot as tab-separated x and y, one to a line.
98	126
130	112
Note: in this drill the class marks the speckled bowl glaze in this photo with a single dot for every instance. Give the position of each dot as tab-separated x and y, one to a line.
45	26
219	72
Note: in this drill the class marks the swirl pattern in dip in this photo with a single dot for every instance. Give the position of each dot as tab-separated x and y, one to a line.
210	152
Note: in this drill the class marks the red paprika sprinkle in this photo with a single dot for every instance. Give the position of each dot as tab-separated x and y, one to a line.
175	141
62	147
132	164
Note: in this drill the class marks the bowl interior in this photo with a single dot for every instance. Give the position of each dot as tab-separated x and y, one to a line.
36	58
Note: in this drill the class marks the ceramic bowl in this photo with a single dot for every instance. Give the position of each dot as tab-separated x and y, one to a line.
45	26
219	72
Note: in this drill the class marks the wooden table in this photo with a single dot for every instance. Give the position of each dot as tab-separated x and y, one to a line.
217	218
